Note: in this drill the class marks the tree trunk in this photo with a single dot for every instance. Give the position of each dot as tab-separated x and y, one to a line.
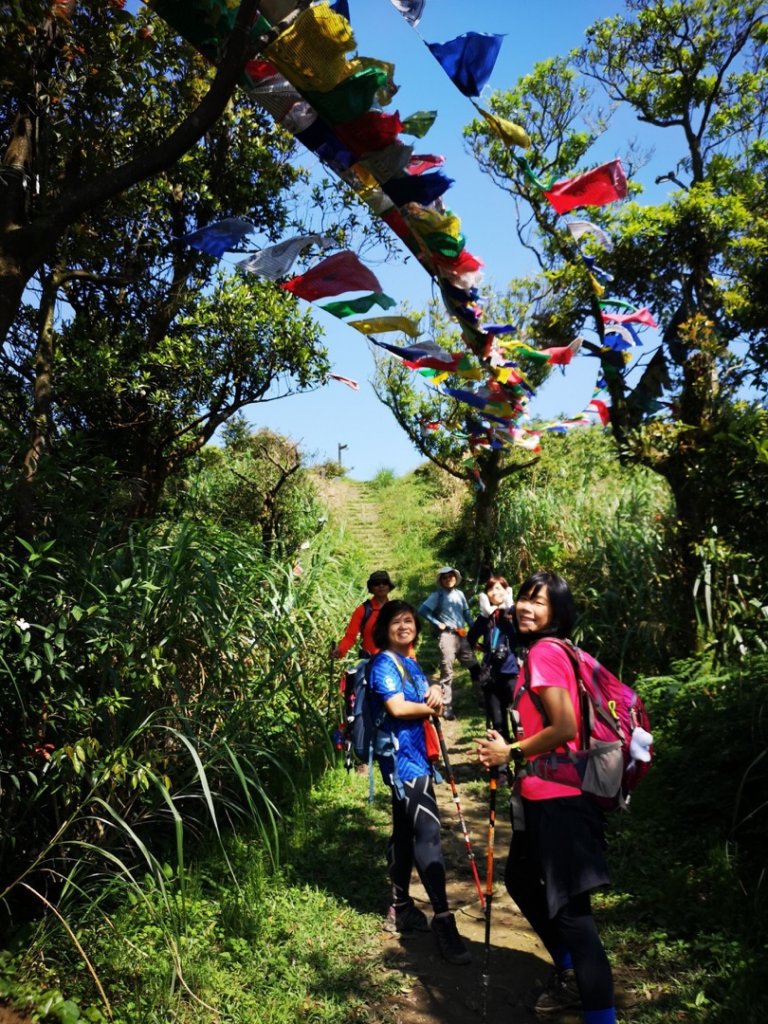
486	514
41	414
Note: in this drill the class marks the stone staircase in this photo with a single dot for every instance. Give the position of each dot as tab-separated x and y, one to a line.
354	509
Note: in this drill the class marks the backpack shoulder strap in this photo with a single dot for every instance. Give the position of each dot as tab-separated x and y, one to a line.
584	699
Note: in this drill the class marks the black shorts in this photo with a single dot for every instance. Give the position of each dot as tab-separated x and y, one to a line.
564	839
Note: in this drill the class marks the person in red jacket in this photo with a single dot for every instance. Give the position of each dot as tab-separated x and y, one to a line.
364	617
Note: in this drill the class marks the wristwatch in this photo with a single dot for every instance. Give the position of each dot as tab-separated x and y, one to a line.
516	756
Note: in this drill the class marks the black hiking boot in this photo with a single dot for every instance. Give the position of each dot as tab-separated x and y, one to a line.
561	994
406	917
449	942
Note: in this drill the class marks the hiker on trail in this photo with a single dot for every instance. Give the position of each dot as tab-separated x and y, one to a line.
557	854
364	617
495	625
403	700
447	610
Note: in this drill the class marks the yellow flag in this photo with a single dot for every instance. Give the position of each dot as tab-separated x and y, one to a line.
311	53
597	288
511	134
382	324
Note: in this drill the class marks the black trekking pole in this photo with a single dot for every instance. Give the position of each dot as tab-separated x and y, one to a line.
489	889
455	794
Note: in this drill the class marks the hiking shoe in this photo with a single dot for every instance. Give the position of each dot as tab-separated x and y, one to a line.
448	713
449	942
562	993
406	918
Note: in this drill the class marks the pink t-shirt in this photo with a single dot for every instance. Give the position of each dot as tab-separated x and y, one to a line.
547	665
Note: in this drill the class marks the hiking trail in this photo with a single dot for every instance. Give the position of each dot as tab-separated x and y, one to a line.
431	990
355	509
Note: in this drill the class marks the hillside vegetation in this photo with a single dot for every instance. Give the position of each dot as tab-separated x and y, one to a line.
179	841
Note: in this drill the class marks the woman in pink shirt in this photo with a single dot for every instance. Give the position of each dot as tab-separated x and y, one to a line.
557	856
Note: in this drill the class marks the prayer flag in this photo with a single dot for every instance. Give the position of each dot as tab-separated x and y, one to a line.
511	134
499	328
353	95
388	162
345	380
221	237
321	139
277	260
361	305
342	272
424	355
562	355
468	59
585	227
599	408
300	117
311	52
422	189
420	163
637	316
276	95
411	10
384	324
418	124
260	70
370	132
602	185
619	337
341	7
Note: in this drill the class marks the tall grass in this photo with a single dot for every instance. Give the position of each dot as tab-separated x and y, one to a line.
604	528
174	686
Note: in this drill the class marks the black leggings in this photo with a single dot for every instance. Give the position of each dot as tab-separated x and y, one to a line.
497	694
572	927
415	840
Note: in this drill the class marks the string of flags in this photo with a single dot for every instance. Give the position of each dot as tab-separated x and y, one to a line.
333	104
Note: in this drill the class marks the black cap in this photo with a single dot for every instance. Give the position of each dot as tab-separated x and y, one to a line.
380	576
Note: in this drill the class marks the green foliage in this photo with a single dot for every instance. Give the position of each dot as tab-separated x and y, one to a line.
605	529
166	676
690	902
257	487
273	948
384	478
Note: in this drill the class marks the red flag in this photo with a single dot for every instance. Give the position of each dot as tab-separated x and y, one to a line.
420	163
342	272
602	185
563	354
461	264
370	132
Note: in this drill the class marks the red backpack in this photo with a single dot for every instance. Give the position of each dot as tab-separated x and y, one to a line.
615	742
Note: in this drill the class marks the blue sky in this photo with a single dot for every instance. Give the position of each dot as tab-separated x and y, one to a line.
335	415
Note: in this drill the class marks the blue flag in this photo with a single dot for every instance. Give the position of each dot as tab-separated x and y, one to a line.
468	59
423	189
216	239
